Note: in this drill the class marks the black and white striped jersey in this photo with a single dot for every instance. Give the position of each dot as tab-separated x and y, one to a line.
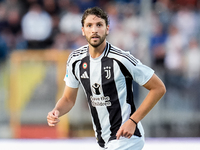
107	83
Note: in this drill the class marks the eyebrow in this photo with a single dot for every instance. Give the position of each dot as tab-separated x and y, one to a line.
99	22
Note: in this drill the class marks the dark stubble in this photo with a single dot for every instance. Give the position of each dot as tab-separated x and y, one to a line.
96	44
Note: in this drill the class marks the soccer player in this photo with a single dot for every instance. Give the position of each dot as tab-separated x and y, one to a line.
106	73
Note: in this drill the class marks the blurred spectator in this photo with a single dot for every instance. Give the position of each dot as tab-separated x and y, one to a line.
14	30
126	23
63	6
113	14
115	27
131	24
70	22
37	27
50	6
192	61
3	50
10	25
157	42
70	25
26	4
174	46
2	16
192	73
55	27
186	22
164	11
115	35
13	20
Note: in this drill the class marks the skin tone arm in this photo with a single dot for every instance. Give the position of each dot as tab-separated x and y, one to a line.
156	91
63	106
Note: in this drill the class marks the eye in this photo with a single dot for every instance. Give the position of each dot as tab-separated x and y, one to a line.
89	25
99	25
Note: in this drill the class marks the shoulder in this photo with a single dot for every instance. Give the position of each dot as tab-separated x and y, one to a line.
122	55
78	54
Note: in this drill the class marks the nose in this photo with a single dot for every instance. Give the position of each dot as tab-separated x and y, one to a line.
94	29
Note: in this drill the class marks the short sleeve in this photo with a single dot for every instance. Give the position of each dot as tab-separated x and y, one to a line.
142	73
70	79
139	72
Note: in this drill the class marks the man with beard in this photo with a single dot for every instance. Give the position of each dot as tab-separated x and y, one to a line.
106	73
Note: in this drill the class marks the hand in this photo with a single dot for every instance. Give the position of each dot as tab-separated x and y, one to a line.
52	118
126	130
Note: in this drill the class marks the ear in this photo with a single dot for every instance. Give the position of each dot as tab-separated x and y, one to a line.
107	32
83	33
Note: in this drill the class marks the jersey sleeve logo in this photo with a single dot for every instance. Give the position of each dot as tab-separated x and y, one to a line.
67	73
85	65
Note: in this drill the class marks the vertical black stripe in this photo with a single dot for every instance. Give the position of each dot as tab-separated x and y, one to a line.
86	84
129	97
109	89
73	69
107	49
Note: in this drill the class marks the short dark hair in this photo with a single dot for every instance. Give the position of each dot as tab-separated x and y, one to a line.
95	11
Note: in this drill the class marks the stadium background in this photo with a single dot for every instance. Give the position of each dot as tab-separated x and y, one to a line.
36	37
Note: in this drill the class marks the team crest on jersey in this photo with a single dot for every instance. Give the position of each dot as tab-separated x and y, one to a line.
107	69
84	65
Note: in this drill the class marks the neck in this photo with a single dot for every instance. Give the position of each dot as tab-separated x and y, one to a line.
97	51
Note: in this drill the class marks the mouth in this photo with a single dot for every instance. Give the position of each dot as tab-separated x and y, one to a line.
95	37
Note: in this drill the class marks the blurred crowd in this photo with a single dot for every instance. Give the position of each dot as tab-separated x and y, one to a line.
173	39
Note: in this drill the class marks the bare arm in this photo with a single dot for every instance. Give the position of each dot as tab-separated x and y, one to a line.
156	91
63	106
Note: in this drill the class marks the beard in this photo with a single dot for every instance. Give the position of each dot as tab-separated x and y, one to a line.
96	43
